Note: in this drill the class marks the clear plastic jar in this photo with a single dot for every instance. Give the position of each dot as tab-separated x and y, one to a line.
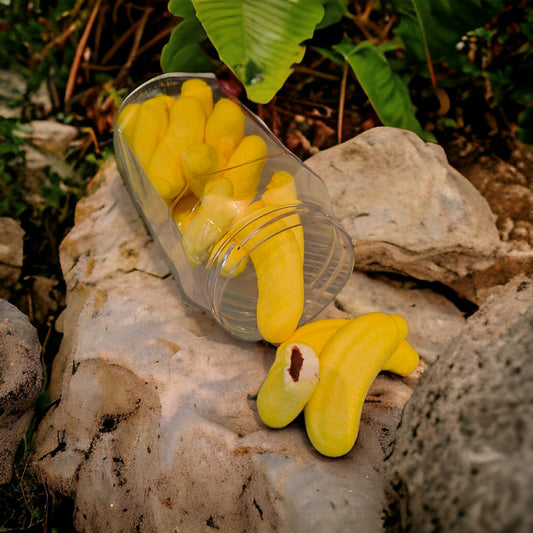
233	299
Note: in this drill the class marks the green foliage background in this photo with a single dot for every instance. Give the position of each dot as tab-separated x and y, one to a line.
260	41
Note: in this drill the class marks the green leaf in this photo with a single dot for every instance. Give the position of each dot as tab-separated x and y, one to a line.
181	8
387	92
259	41
334	10
435	27
183	52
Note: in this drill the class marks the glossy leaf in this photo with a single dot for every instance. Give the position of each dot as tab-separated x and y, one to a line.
183	52
387	92
181	8
260	41
334	10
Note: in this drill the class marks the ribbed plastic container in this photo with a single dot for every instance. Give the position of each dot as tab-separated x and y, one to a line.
233	298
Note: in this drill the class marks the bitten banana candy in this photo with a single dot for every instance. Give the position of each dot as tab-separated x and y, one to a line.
289	384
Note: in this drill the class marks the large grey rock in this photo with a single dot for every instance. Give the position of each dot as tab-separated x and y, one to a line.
11	254
157	429
21	380
406	209
463	458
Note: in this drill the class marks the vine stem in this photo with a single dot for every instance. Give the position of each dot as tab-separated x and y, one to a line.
79	52
342	99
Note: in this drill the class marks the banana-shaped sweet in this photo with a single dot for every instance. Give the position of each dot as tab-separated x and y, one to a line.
224	129
402	361
183	211
245	166
201	163
349	363
126	121
278	266
186	125
289	384
211	220
199	89
150	128
281	190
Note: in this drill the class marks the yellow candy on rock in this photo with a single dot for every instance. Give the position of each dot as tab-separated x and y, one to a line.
289	384
349	363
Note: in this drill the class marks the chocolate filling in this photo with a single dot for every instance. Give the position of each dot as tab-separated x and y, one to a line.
297	361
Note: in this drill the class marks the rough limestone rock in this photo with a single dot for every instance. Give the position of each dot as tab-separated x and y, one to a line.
51	135
21	381
406	209
11	254
13	89
156	428
463	458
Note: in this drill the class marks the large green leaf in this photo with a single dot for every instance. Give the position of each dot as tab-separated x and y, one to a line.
260	41
183	52
387	92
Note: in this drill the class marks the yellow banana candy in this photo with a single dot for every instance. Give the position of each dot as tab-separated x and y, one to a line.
169	100
235	258
186	126
224	129
278	265
126	121
349	363
211	221
150	128
281	190
199	89
201	163
317	333
233	251
402	361
183	211
280	283
289	384
245	166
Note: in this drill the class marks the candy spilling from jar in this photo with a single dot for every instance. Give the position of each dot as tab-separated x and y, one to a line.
326	368
198	158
